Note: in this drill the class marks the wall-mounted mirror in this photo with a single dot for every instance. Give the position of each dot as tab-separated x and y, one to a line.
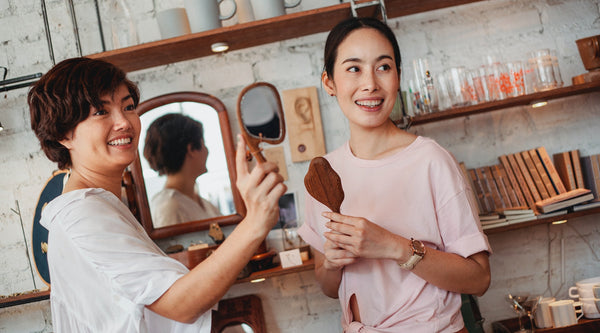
212	156
260	116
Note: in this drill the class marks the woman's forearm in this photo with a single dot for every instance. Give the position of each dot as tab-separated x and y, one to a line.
198	291
329	280
455	273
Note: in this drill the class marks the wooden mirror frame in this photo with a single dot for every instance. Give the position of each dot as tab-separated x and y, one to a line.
141	207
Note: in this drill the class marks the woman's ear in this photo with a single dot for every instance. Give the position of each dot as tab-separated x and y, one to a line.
66	141
190	148
328	84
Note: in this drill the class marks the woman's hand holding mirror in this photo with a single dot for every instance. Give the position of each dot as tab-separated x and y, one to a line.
260	189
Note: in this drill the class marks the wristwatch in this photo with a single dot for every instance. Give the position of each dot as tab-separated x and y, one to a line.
418	252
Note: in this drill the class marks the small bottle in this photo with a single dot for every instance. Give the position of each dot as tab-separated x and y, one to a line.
120	24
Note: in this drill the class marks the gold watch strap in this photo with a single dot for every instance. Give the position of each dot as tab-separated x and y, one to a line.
416	255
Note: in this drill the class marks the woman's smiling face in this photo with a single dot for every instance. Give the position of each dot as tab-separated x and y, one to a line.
108	138
366	81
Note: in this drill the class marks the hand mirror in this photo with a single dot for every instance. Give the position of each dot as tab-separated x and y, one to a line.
260	117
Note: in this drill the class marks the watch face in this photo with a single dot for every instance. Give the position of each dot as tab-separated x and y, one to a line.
418	247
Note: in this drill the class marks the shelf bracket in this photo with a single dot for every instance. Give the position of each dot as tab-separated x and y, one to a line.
8	84
356	4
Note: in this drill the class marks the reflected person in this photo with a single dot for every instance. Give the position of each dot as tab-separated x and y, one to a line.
175	147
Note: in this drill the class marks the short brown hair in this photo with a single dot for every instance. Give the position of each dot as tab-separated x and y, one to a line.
167	141
62	98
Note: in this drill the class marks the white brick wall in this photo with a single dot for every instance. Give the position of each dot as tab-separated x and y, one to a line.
529	258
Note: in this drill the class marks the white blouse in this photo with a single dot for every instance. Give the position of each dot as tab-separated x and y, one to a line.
104	269
169	207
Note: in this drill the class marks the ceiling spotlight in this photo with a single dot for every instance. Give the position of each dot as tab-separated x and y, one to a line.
219	47
538	104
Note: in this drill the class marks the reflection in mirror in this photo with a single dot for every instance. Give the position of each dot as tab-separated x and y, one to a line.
260	116
260	113
184	174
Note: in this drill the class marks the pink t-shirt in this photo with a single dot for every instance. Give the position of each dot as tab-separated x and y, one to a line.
418	192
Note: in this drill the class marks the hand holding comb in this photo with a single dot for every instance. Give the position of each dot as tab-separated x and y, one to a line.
324	184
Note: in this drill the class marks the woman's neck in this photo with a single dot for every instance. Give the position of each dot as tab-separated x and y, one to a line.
181	183
81	179
379	142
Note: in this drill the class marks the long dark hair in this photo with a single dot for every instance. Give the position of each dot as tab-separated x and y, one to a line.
343	29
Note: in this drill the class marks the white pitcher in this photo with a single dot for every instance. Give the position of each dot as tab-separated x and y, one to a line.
206	14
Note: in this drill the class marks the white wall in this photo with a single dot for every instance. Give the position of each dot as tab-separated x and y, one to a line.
527	258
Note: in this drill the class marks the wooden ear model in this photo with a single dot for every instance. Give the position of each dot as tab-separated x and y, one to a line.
324	184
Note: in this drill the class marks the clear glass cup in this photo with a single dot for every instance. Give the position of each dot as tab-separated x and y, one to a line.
494	70
517	78
469	87
458	87
425	85
416	101
480	82
119	23
529	77
444	101
543	68
557	75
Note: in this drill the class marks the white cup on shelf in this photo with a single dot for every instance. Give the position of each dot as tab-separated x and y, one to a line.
206	14
588	305
543	316
264	9
244	11
584	288
564	312
173	22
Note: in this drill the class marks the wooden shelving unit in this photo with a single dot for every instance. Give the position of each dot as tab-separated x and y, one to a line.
503	104
584	325
24	298
255	33
524	100
544	220
265	274
277	271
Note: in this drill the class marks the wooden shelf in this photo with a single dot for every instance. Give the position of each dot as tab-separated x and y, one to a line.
584	325
506	103
244	35
277	271
24	298
267	273
544	220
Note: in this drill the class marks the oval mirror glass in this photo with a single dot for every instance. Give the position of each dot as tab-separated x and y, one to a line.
260	116
260	111
217	200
